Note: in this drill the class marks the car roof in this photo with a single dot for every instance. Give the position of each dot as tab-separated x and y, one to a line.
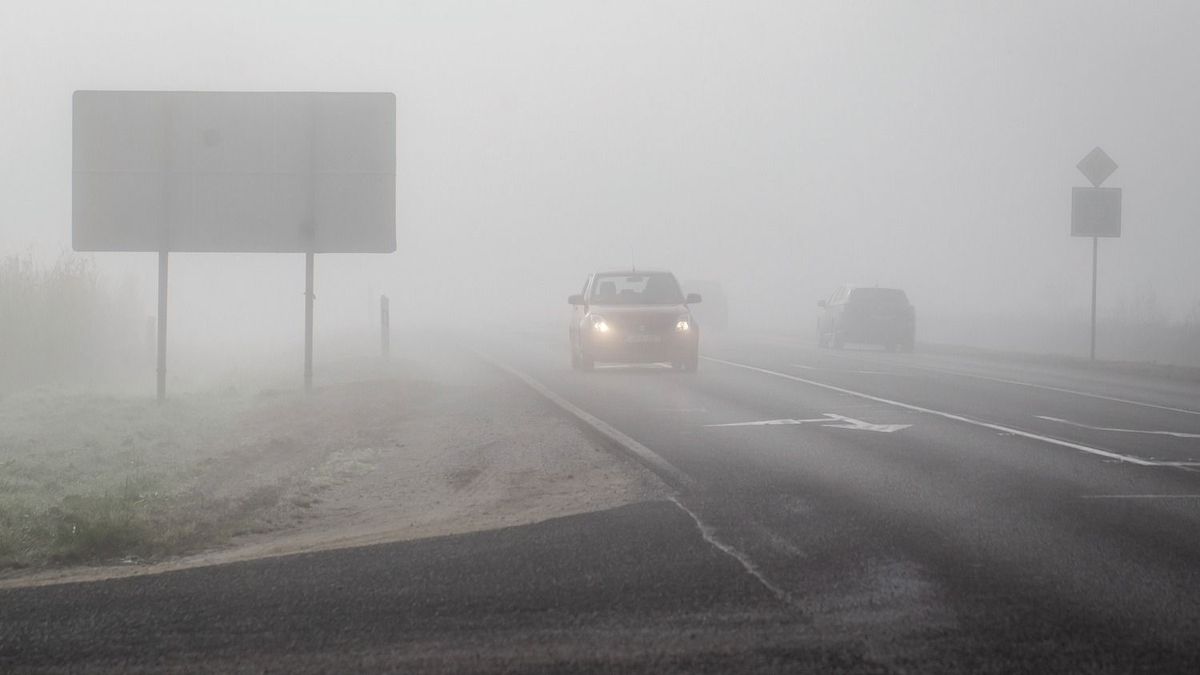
631	272
882	288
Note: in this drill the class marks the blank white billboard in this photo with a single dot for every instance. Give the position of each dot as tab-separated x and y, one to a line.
234	171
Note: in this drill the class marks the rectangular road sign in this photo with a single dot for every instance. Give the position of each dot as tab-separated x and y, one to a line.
1095	212
234	171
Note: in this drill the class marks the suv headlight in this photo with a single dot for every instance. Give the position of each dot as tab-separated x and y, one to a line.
599	324
683	323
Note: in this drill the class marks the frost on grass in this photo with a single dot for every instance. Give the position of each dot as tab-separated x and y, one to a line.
98	479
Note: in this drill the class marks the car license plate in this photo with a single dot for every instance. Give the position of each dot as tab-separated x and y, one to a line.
643	338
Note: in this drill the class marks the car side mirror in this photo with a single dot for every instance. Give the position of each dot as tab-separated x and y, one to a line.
575	300
692	298
821	303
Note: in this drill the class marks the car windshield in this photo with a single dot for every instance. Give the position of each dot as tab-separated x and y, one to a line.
878	296
636	289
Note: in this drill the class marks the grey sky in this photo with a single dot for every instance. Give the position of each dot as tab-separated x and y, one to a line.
782	148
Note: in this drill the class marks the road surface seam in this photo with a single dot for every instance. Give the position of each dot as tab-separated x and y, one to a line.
709	534
655	461
958	418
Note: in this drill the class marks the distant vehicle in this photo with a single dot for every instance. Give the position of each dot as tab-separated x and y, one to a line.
868	315
714	313
634	317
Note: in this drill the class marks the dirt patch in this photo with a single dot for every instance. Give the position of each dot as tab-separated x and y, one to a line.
438	446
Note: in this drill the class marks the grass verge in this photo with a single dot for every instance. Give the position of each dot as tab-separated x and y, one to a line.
97	479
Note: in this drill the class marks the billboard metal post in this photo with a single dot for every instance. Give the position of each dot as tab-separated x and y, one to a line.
385	319
162	326
308	319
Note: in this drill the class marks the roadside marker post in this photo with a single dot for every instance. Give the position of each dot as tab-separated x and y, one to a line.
1095	213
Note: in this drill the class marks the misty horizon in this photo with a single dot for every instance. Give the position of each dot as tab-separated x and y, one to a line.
779	149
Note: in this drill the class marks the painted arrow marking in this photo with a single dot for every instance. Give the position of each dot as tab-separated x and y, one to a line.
851	423
830	420
1176	434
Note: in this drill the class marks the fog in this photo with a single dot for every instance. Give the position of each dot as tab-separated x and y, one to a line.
781	149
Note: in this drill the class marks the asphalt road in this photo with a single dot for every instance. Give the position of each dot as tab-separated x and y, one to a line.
898	513
981	512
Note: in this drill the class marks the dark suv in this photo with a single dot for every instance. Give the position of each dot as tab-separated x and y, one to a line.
634	317
881	316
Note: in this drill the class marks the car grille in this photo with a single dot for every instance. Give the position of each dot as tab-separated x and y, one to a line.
648	323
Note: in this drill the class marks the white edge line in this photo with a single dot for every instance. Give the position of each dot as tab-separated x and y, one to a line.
646	455
1139	496
951	416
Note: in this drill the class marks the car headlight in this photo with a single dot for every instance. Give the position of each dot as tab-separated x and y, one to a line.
684	323
599	324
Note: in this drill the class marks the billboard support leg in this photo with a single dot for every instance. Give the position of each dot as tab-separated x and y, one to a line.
308	320
162	326
1095	250
385	335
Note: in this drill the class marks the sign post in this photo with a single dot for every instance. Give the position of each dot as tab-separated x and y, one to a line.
1095	213
233	172
1095	256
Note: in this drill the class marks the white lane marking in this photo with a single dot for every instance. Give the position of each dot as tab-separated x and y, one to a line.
959	418
1061	390
1045	387
1139	496
788	342
647	455
844	423
854	372
768	422
1176	434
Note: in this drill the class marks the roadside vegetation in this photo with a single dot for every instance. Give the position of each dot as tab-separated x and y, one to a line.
64	322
